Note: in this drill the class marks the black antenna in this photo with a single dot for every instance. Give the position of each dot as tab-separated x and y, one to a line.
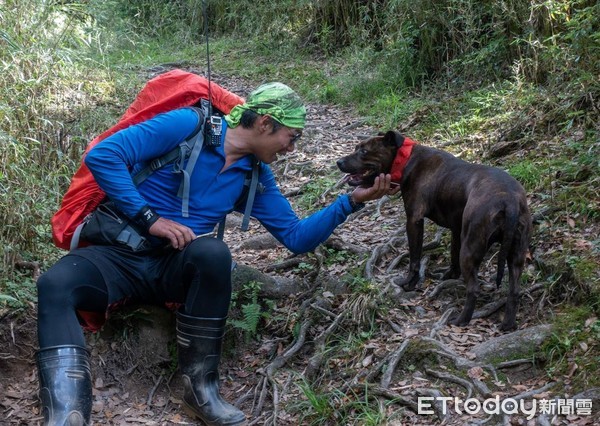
205	12
213	126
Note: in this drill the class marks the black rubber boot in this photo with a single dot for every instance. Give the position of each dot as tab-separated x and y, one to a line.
199	343
65	385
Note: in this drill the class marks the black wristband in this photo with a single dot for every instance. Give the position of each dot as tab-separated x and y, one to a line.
146	218
354	205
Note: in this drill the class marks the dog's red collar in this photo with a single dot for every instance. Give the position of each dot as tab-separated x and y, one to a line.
401	159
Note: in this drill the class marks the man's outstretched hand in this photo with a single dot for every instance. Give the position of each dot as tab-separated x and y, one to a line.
382	186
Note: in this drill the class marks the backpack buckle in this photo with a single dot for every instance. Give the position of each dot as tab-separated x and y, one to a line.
156	164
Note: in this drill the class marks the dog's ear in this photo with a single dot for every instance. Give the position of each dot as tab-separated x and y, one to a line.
393	138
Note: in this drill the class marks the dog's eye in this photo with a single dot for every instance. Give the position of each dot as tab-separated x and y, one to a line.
362	151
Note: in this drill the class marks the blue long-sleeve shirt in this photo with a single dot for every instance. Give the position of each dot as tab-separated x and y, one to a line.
213	193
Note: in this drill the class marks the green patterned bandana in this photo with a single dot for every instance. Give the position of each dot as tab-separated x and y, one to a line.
275	99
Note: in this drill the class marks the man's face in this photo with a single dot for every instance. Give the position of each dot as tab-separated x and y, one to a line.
274	144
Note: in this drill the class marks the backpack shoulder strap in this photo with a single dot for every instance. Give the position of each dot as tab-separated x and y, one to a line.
251	185
156	164
170	156
188	149
194	145
251	193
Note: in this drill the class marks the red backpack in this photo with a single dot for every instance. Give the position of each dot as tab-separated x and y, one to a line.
168	91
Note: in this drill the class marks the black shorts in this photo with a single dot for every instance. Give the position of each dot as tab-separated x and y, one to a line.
150	276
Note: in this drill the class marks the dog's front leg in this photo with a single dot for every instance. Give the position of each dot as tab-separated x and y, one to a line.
414	232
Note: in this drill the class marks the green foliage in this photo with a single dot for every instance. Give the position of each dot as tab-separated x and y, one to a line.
252	311
366	410
56	94
359	284
528	173
575	339
334	407
18	293
310	200
336	257
431	37
583	268
304	267
383	49
317	409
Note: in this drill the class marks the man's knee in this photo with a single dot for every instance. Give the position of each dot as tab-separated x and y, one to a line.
50	287
57	285
209	251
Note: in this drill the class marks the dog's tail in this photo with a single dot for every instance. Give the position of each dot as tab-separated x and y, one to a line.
511	222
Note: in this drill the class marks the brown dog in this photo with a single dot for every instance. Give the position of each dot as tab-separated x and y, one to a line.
481	205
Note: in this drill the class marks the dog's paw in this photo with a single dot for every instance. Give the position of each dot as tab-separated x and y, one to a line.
508	326
451	274
408	283
458	321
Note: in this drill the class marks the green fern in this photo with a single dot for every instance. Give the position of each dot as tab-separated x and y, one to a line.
252	312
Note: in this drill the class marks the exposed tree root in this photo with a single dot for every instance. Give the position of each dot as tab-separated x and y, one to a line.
484	312
394	326
339	244
258	407
436	242
276	364
400	240
386	393
443	286
377	380
372	207
314	274
153	390
372	261
481	387
340	183
381	202
534	288
314	363
365	382
389	363
394	263
514	363
394	358
524	395
34	266
531	393
441	323
284	265
441	349
544	214
281	360
381	250
492	307
489	309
